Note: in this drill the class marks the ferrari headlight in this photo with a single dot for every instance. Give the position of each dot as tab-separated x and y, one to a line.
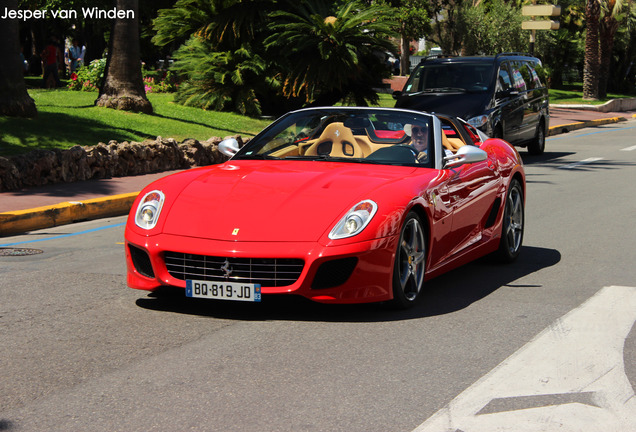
355	220
149	209
478	121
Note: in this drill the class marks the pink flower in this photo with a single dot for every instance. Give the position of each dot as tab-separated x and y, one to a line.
74	76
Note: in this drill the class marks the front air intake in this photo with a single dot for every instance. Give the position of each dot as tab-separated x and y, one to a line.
141	261
334	273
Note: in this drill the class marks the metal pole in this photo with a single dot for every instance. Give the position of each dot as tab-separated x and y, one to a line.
532	38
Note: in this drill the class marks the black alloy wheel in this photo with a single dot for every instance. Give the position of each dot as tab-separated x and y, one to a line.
513	223
410	263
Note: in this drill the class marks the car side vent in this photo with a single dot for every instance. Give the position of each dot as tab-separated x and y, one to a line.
141	261
492	217
334	273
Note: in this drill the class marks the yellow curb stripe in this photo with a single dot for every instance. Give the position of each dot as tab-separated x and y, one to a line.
555	130
21	221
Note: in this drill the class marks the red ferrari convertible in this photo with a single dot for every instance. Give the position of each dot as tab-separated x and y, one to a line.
336	204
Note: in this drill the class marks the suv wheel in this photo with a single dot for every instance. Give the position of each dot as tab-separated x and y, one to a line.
537	145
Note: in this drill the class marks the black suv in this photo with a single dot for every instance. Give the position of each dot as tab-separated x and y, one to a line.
502	95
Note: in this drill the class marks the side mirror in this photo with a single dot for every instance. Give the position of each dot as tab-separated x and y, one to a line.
397	94
229	147
502	94
465	155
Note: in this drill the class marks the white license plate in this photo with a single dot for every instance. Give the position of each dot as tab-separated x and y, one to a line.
223	290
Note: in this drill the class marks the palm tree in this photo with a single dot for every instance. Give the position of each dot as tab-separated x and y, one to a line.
222	57
610	18
219	80
328	54
14	99
592	61
123	86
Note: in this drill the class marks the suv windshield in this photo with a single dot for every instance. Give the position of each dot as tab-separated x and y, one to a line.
450	77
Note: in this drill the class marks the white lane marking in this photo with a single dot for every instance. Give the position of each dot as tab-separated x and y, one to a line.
632	148
570	377
583	162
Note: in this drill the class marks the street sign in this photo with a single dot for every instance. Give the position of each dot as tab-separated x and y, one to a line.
541	10
540	25
534	25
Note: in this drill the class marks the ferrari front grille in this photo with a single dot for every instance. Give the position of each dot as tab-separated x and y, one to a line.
268	272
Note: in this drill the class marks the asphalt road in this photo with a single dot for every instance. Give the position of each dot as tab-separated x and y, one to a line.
546	343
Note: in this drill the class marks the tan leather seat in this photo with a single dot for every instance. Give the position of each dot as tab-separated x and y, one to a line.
337	141
452	144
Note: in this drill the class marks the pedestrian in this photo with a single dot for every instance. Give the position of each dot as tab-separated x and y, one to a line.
50	56
74	55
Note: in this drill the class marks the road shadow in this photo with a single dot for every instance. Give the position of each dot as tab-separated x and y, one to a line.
69	190
546	157
6	425
446	294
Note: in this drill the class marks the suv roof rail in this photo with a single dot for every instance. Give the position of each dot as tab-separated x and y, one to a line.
513	54
436	56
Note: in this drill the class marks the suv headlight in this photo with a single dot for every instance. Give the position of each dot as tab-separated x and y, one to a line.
478	121
355	220
149	209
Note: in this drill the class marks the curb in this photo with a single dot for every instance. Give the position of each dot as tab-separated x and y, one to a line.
565	128
21	221
614	105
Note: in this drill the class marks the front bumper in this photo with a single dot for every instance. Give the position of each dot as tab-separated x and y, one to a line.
369	279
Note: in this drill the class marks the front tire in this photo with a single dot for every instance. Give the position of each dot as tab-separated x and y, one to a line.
410	263
537	145
513	224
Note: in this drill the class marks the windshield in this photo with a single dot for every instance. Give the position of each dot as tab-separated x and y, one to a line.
450	77
381	136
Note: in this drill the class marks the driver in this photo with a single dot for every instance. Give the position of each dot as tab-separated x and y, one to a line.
419	140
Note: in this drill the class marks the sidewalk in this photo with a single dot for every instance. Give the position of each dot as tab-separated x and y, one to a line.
564	118
59	204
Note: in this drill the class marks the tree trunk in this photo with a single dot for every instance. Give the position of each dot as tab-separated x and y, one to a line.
14	99
592	63
405	63
123	86
607	30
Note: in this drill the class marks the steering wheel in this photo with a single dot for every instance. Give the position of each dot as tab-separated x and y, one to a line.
411	148
415	152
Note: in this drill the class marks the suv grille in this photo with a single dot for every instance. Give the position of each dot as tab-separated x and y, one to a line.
268	272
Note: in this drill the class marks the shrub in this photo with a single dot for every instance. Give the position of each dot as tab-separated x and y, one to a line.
160	83
88	78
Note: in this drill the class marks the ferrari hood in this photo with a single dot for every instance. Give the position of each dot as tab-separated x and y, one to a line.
273	200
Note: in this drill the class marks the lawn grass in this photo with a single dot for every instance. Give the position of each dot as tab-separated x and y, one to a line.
67	118
386	100
568	97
